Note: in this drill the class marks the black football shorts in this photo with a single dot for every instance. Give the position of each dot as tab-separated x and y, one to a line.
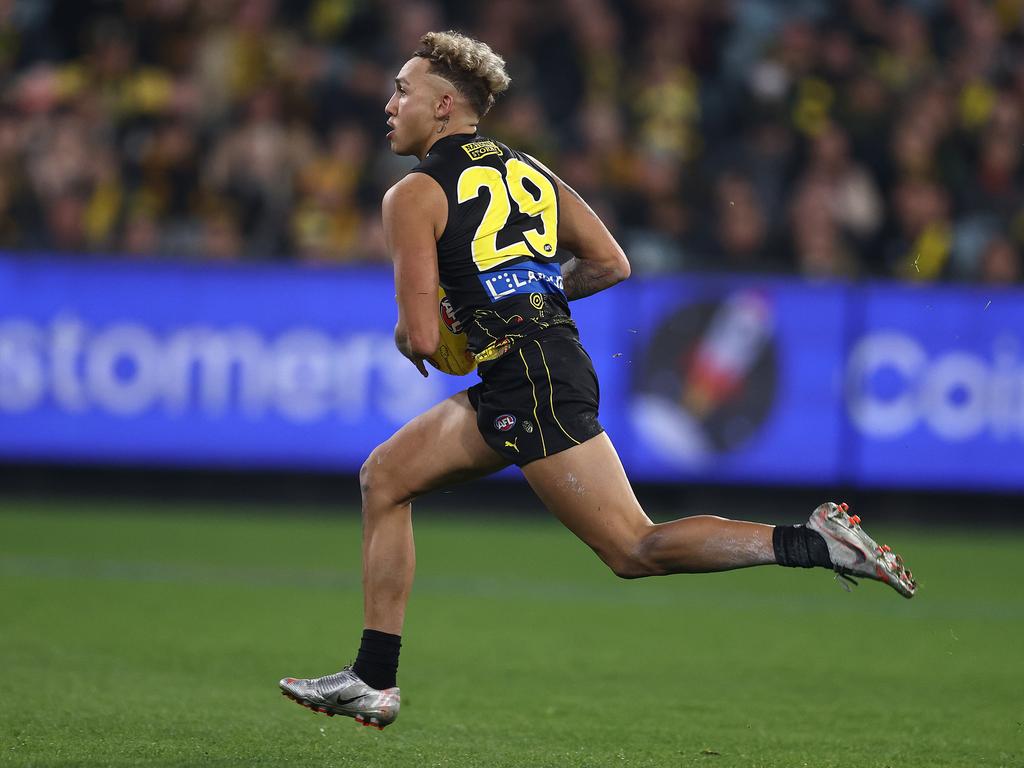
538	399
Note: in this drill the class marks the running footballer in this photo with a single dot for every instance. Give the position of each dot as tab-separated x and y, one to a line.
485	222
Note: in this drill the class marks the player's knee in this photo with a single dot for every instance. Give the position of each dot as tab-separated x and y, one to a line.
626	568
633	560
649	552
380	481
376	479
637	568
630	567
368	475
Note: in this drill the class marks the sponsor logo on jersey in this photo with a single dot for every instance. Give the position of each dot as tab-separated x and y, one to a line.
478	149
448	316
528	277
505	422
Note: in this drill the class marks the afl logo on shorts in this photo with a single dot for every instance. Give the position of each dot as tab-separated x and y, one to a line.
448	316
505	422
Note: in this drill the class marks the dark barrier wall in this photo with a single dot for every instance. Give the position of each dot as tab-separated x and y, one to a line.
747	381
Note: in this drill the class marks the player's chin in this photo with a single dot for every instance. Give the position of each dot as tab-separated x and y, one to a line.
400	147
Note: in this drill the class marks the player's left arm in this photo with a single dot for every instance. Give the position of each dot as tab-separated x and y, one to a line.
598	261
414	213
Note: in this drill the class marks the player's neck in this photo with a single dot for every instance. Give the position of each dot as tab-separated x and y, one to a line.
465	129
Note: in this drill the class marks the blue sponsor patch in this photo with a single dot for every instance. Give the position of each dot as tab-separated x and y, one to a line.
527	277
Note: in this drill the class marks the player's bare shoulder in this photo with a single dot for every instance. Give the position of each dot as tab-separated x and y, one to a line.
415	199
414	191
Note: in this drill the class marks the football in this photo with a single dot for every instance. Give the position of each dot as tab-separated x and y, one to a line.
453	355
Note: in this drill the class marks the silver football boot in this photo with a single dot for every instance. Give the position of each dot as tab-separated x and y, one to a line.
344	693
855	553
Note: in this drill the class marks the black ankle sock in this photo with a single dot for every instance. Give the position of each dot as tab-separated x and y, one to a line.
797	546
377	662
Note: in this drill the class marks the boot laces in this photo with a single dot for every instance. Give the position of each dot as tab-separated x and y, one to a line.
324	685
844	580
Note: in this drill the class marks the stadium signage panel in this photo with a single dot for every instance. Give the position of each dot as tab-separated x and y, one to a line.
733	381
128	369
188	366
935	387
720	380
957	395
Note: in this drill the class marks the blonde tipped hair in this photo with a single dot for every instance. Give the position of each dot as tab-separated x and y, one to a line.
477	72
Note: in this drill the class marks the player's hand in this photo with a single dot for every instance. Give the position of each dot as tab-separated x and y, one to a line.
418	362
402	342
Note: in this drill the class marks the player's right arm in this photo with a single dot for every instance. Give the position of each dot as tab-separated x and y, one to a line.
415	212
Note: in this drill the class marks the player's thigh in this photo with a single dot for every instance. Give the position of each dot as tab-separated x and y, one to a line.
586	488
440	447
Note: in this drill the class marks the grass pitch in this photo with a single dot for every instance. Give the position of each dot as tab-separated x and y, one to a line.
151	636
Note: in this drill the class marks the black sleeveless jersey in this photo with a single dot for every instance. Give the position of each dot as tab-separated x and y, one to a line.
497	257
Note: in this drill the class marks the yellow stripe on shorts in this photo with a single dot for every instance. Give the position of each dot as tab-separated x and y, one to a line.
536	421
551	390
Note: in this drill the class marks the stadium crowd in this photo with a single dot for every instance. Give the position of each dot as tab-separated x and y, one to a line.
829	138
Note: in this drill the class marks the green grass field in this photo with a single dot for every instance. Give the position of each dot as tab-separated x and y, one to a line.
140	635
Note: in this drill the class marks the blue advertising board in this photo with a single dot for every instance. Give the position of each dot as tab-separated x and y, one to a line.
196	366
935	388
734	381
702	379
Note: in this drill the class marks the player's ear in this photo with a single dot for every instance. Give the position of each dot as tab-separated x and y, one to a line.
445	105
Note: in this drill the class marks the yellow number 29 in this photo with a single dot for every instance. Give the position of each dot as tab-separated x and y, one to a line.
542	202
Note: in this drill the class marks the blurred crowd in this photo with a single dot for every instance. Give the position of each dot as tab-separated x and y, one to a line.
828	138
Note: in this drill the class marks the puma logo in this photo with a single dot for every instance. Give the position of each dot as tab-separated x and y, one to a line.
512	444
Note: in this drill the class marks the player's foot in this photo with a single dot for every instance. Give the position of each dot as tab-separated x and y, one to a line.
344	693
855	553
